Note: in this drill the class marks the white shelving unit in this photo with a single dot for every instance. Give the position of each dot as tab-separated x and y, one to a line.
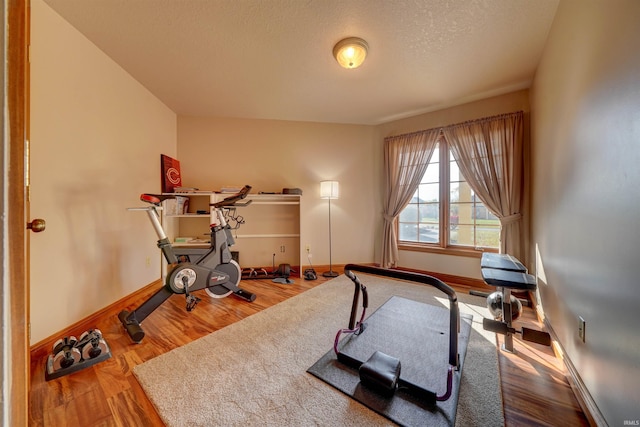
269	236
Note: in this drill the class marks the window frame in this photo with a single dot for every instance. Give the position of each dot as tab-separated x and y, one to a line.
443	247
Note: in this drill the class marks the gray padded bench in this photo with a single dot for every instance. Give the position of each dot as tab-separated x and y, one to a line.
507	273
500	262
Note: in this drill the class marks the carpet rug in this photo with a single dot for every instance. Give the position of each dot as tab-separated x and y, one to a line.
253	372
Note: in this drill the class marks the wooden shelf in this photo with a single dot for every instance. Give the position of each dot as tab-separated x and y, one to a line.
199	245
272	225
255	236
188	215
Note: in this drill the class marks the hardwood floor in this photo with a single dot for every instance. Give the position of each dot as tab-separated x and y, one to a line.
535	389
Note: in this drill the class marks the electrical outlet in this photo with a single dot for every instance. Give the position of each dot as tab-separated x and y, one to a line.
582	325
307	248
147	262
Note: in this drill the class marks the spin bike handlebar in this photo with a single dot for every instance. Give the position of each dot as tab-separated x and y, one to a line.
156	199
233	200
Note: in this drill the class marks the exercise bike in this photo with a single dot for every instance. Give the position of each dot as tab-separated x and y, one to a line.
212	269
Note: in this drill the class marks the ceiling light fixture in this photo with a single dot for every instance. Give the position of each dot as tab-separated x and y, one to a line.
350	52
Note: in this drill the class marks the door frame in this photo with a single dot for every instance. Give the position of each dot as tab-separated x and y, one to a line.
15	287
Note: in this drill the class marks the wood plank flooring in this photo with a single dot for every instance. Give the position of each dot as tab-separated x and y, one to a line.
535	389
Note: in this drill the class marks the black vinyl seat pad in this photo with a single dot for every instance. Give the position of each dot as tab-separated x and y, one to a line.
509	279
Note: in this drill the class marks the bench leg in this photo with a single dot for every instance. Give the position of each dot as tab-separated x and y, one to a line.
507	318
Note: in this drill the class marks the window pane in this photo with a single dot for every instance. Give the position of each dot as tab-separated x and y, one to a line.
430	212
454	189
471	231
410	213
463	211
408	232
462	235
482	213
429	233
460	192
432	173
428	193
488	236
454	171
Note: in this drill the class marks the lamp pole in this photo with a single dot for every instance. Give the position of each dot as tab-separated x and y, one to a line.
329	190
330	273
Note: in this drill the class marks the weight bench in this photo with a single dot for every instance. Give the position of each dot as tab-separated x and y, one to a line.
500	262
507	273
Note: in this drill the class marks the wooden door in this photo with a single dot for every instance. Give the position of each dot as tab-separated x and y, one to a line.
15	334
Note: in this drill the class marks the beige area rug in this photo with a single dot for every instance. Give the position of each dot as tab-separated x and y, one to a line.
253	372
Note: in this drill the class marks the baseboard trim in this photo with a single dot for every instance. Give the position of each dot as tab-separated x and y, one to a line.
586	402
44	347
338	268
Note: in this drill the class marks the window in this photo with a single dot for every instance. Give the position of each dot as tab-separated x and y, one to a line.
445	212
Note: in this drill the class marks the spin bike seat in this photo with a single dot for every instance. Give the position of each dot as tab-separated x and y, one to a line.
155	199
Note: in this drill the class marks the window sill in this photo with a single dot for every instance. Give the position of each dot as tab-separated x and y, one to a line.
456	251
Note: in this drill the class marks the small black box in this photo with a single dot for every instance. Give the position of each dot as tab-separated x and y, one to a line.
292	191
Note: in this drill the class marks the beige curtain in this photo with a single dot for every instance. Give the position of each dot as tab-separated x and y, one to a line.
489	153
406	158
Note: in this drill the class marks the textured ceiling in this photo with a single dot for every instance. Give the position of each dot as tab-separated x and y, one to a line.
272	59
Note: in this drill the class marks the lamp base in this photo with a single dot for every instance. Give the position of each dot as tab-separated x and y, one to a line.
330	273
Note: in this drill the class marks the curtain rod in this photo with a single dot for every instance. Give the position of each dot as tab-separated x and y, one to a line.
418	132
486	119
468	122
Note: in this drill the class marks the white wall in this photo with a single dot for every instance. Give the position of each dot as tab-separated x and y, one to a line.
585	119
96	139
436	262
271	155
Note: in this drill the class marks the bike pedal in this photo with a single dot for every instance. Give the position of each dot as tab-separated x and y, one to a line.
192	302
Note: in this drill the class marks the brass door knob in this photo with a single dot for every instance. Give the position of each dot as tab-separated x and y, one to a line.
37	225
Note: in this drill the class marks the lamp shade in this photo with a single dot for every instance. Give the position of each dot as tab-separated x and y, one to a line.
329	189
350	52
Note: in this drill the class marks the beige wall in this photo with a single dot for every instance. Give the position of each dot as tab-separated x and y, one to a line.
96	139
585	118
516	101
271	155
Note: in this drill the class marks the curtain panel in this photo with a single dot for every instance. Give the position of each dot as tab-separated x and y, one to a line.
490	155
406	158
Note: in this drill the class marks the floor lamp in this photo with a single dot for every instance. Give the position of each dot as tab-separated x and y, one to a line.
329	190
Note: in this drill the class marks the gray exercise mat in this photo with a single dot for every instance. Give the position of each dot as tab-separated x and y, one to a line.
418	335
